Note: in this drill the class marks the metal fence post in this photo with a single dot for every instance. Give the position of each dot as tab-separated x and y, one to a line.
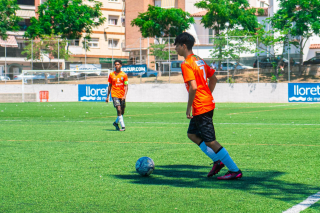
32	54
5	61
140	58
169	61
58	62
289	63
258	58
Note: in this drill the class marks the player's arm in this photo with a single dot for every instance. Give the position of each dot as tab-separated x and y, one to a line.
125	92
109	90
212	78
212	82
126	87
192	94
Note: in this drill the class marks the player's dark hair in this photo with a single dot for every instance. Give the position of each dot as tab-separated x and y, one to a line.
185	38
120	62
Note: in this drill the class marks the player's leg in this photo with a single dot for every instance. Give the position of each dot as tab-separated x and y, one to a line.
205	124
195	136
122	107
116	104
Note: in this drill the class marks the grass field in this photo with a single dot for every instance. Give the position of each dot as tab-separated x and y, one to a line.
67	157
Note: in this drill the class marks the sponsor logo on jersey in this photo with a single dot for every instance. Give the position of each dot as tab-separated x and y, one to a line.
200	63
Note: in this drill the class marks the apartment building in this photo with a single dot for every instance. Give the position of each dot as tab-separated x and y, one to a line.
11	60
107	40
135	44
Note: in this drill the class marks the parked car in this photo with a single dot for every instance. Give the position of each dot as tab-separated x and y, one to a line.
175	66
314	60
34	76
150	73
265	62
242	66
4	78
225	66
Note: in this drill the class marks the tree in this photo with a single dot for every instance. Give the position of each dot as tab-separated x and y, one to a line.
225	14
299	18
66	18
8	19
235	43
49	47
161	22
270	43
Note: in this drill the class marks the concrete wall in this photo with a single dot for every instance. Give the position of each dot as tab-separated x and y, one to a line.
251	93
57	93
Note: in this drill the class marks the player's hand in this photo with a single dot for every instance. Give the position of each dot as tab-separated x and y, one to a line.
123	98
188	113
107	100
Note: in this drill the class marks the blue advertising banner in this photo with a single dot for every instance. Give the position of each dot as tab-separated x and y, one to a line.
134	69
304	92
92	92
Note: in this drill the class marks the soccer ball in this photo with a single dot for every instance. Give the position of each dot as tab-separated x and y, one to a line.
145	166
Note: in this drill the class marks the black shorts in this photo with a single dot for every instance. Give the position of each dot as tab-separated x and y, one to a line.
202	126
119	102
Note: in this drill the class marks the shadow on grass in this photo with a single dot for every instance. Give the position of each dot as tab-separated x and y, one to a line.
265	183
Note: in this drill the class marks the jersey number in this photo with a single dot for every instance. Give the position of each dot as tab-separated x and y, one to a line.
204	72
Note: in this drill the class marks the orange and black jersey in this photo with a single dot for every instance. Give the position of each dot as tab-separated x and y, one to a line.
195	68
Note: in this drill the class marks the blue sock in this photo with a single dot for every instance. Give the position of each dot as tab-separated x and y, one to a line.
208	151
225	158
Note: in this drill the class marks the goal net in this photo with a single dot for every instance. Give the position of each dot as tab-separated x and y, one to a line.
36	84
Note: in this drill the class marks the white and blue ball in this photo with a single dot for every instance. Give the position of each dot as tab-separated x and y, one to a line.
145	166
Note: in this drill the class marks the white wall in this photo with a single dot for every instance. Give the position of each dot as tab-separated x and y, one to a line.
251	93
57	93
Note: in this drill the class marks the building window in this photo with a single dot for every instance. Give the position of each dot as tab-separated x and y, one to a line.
26	2
113	20
113	43
261	4
167	3
93	42
210	36
74	42
113	0
24	24
157	3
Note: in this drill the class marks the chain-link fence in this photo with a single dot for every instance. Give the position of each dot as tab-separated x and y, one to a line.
235	59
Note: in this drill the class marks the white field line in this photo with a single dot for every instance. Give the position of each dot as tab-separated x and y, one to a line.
304	204
283	124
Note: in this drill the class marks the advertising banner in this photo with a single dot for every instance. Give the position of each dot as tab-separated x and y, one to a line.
85	68
92	92
134	69
304	92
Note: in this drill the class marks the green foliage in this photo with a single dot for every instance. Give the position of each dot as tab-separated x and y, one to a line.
8	19
230	80
297	21
161	51
161	22
241	19
70	19
299	17
48	46
261	11
236	12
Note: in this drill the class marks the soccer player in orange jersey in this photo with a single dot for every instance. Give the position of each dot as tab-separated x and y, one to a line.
118	86
201	131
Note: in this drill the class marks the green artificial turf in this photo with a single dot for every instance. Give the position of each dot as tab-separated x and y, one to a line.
67	157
